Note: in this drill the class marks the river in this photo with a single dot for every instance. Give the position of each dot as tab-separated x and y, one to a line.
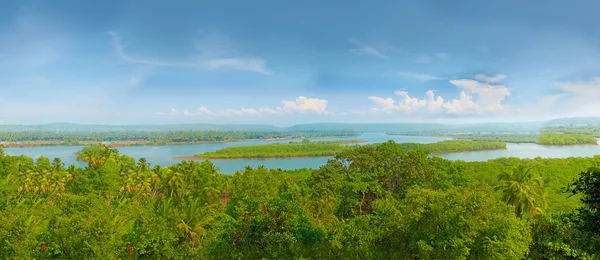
163	155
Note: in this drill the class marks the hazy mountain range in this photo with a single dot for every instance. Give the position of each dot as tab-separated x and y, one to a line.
371	127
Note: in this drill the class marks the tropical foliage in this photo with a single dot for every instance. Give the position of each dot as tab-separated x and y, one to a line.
384	201
523	191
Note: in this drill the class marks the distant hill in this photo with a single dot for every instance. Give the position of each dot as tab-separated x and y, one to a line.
69	127
420	127
575	121
365	127
386	127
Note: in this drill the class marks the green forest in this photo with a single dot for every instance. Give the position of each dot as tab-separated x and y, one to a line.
156	138
566	139
383	201
454	146
591	130
307	148
546	138
503	138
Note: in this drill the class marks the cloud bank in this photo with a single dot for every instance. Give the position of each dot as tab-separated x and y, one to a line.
475	97
301	104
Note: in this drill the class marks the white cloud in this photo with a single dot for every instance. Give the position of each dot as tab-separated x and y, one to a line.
434	104
172	111
409	104
489	98
463	105
490	79
208	61
302	104
406	104
589	88
369	50
475	98
204	111
250	111
384	104
417	76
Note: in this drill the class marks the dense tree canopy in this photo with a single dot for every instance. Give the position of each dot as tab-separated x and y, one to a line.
384	201
291	149
503	138
330	148
547	138
566	139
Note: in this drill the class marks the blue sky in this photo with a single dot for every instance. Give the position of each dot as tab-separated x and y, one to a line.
284	62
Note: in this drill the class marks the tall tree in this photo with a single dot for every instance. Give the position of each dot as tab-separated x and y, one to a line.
588	185
524	191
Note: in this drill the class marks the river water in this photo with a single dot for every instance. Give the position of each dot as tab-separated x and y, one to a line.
163	155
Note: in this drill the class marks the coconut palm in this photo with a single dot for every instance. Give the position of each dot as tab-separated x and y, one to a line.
57	165
175	181
522	190
143	165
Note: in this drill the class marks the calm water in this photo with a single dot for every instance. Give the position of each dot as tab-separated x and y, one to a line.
163	154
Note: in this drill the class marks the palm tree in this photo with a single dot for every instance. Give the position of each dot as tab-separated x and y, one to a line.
72	170
175	181
143	165
154	178
523	191
57	165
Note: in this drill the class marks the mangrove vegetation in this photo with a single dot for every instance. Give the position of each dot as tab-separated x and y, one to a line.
307	148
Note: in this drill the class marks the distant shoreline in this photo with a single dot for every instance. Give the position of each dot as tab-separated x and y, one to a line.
568	144
144	143
496	149
464	138
197	158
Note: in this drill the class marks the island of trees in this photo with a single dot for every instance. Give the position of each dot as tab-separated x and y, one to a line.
330	148
545	138
383	201
503	138
454	146
566	139
305	148
23	139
